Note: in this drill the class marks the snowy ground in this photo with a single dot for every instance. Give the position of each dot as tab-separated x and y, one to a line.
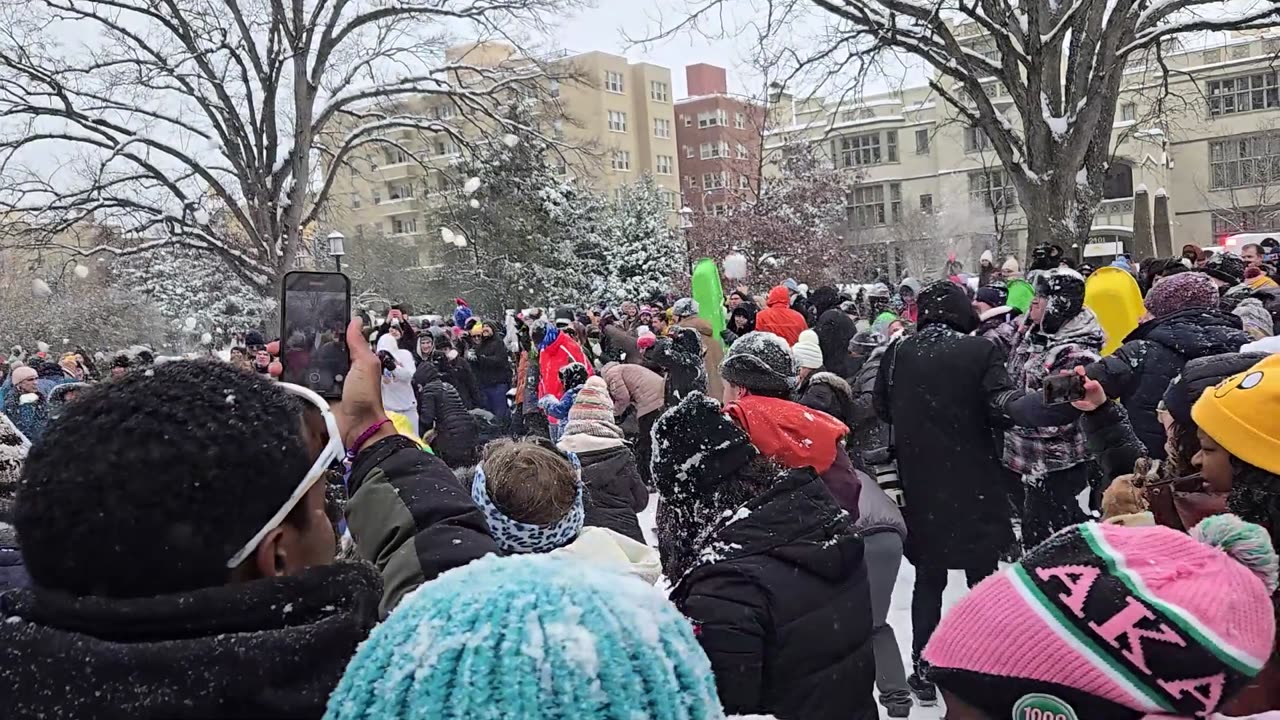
899	612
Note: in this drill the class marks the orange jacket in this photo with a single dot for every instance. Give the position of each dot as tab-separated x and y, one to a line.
780	319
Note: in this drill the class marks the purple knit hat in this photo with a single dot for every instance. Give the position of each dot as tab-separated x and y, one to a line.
1106	622
1181	292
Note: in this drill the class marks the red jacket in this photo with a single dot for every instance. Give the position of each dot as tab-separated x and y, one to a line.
796	436
562	351
779	318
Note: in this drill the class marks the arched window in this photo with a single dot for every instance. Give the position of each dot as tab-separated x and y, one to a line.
1118	182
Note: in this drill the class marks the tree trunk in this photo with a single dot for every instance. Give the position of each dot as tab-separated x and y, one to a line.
1141	242
1054	217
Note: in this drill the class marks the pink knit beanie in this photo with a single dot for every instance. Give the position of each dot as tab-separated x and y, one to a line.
1183	291
1105	621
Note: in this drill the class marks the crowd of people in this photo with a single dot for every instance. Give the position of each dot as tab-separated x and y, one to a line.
464	533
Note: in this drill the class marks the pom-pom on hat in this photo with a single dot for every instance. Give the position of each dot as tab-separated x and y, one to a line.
807	351
1106	621
535	637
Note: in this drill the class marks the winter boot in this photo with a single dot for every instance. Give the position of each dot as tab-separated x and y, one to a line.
926	692
897	703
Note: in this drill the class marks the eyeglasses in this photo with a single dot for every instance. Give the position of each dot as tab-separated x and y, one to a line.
332	452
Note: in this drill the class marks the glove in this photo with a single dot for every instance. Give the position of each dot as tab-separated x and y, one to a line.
546	402
389	363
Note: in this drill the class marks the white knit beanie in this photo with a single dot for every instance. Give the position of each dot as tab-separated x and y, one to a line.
807	352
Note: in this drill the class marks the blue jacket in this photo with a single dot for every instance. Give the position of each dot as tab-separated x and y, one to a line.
560	409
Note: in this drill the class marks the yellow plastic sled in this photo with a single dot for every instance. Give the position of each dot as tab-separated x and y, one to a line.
1113	295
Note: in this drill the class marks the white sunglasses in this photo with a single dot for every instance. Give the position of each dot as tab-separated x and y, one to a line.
332	452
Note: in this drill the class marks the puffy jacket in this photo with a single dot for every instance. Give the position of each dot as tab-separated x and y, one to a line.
561	351
410	518
492	365
997	326
779	319
867	431
634	385
798	437
769	587
835	329
615	492
1152	355
877	512
440	408
712	355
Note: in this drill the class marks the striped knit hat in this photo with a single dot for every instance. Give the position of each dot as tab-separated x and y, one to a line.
536	637
592	412
1106	622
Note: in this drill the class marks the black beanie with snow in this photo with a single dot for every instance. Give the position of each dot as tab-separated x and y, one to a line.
760	361
945	302
1063	288
697	445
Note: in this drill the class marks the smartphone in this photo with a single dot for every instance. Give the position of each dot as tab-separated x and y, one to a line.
315	311
1059	389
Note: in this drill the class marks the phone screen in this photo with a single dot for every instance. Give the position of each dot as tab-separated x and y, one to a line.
316	309
1060	389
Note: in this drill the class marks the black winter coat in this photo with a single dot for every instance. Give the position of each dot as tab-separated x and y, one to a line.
829	393
440	408
768	601
457	372
1139	372
492	365
944	392
835	329
269	648
867	431
615	492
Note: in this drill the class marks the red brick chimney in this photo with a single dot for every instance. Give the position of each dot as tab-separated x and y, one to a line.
704	79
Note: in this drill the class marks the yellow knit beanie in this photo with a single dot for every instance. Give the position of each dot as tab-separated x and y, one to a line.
1240	413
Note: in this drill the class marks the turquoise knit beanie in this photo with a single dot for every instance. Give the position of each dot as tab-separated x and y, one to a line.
536	637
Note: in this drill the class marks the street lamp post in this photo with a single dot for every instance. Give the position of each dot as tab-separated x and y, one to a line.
686	223
337	248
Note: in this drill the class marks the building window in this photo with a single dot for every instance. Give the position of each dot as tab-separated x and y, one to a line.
719	209
401	226
891	145
926	204
554	88
359	229
714	181
355	200
1118	182
442	112
444	147
557	129
1252	219
617	121
975	140
867	206
1244	161
688	151
621	160
860	150
707	151
1243	94
742	151
664	164
613	81
400	192
712	118
690	180
658	91
377	197
922	142
991	188
895	202
723	149
560	168
686	120
1128	111
744	182
396	156
739	121
661	128
673	200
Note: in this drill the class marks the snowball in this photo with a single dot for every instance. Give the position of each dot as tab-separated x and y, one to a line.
735	266
471	185
446	235
206	338
510	140
460	240
40	288
475	204
189	323
82	271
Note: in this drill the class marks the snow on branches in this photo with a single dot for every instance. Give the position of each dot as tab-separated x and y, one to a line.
165	120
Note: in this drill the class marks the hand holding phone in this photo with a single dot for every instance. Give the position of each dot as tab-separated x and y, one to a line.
316	310
1059	389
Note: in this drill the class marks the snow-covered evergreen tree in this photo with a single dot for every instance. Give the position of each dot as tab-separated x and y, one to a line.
529	236
185	284
646	254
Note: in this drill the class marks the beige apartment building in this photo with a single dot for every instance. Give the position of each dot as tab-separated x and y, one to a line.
615	115
1213	147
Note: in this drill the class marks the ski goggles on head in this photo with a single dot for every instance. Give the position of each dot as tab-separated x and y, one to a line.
332	452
